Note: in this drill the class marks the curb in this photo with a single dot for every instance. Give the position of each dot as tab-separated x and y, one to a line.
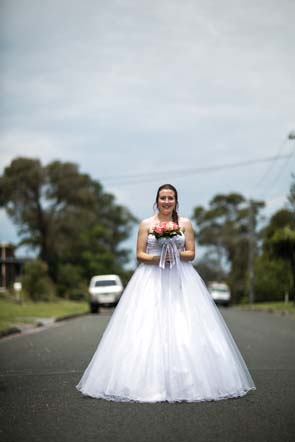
269	310
9	331
72	316
16	330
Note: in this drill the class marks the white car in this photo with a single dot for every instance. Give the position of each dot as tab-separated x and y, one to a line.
220	292
104	290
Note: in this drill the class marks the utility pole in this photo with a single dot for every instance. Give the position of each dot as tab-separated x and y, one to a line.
251	253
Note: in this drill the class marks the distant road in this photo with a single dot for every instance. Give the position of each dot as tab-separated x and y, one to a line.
39	401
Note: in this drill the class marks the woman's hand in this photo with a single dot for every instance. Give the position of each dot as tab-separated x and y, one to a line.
155	259
142	236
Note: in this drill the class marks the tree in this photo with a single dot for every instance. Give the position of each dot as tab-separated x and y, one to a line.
283	246
278	249
225	227
36	281
272	279
279	220
62	214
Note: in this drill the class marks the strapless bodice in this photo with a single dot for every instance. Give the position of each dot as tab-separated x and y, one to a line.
154	245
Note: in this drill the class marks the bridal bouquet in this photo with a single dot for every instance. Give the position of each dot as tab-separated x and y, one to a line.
166	230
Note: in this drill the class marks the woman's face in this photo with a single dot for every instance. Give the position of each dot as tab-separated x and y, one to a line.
166	202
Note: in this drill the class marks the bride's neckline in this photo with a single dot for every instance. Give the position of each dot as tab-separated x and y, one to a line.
159	221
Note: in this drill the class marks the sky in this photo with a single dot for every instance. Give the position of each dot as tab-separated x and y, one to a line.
140	93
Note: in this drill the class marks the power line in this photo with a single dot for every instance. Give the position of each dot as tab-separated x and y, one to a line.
141	178
269	168
262	182
283	168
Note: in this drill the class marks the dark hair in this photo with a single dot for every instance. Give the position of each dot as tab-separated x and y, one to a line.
170	187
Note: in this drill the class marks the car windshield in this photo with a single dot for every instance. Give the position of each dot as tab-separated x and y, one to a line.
220	290
105	283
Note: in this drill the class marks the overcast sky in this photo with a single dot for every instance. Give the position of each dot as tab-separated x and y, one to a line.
137	87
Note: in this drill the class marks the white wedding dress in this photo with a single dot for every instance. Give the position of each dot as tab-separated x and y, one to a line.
166	341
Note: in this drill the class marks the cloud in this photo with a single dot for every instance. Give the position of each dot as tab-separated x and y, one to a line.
123	86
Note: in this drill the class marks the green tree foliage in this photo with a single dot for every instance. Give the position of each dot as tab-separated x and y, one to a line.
36	282
271	281
66	217
224	226
283	246
70	283
282	218
275	268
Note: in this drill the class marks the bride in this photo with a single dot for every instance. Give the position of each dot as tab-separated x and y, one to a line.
166	340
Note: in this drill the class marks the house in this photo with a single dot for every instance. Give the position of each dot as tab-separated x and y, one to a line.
10	266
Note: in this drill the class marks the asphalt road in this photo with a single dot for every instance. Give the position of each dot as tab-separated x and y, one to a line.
39	401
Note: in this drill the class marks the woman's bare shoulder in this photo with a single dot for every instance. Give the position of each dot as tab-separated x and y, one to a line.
184	222
147	223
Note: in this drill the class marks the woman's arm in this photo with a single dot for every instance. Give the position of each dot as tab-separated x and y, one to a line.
189	253
142	256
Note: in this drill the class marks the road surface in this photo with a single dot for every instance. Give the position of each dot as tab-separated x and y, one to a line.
39	401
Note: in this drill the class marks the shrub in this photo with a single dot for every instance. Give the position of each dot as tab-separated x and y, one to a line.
69	282
271	280
36	281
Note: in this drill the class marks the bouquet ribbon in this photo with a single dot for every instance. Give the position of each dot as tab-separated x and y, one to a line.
170	250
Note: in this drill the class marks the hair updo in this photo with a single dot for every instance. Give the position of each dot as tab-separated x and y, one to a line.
170	187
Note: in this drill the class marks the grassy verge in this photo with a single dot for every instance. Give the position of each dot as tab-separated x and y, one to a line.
29	312
275	307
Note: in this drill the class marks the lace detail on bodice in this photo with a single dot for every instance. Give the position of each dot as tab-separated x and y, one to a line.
154	246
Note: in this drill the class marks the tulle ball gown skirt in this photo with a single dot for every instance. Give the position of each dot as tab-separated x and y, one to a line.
166	341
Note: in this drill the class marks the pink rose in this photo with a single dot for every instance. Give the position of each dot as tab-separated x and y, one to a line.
171	226
166	229
159	229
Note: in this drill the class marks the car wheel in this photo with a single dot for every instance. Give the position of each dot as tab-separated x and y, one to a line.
94	308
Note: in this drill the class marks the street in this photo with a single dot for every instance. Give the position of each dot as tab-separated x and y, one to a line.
39	401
